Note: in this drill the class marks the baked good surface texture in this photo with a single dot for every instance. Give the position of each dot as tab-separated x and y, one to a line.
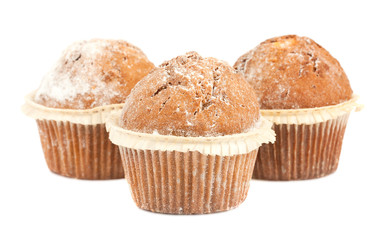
93	73
292	72
191	96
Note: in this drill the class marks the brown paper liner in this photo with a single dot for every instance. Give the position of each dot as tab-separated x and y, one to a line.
187	182
79	151
302	151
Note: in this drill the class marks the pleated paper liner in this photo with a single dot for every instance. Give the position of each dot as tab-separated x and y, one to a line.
75	142
302	151
308	142
187	182
79	151
183	175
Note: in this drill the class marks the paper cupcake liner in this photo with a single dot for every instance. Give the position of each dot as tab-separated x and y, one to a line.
94	116
75	142
188	175
187	182
228	145
311	115
79	151
302	151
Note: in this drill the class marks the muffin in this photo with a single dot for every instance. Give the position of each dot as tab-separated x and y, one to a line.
304	91
90	80
188	135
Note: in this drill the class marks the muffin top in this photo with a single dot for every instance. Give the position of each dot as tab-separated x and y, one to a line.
93	73
292	72
191	96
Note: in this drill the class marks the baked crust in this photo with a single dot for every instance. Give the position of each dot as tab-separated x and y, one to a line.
292	72
93	73
191	96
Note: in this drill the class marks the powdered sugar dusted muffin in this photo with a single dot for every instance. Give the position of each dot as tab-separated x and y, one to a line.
305	92
192	96
93	73
90	81
291	72
188	136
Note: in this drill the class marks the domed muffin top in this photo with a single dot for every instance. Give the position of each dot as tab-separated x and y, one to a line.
93	73
292	72
191	96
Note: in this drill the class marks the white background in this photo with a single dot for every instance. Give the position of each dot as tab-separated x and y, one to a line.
36	204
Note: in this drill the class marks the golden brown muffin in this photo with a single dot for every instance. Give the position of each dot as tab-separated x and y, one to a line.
191	96
93	73
195	133
291	72
89	74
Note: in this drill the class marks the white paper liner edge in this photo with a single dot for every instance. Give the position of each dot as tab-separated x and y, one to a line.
97	115
228	145
311	115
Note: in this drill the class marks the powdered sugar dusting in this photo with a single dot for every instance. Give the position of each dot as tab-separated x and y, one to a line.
89	69
62	85
191	96
294	72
